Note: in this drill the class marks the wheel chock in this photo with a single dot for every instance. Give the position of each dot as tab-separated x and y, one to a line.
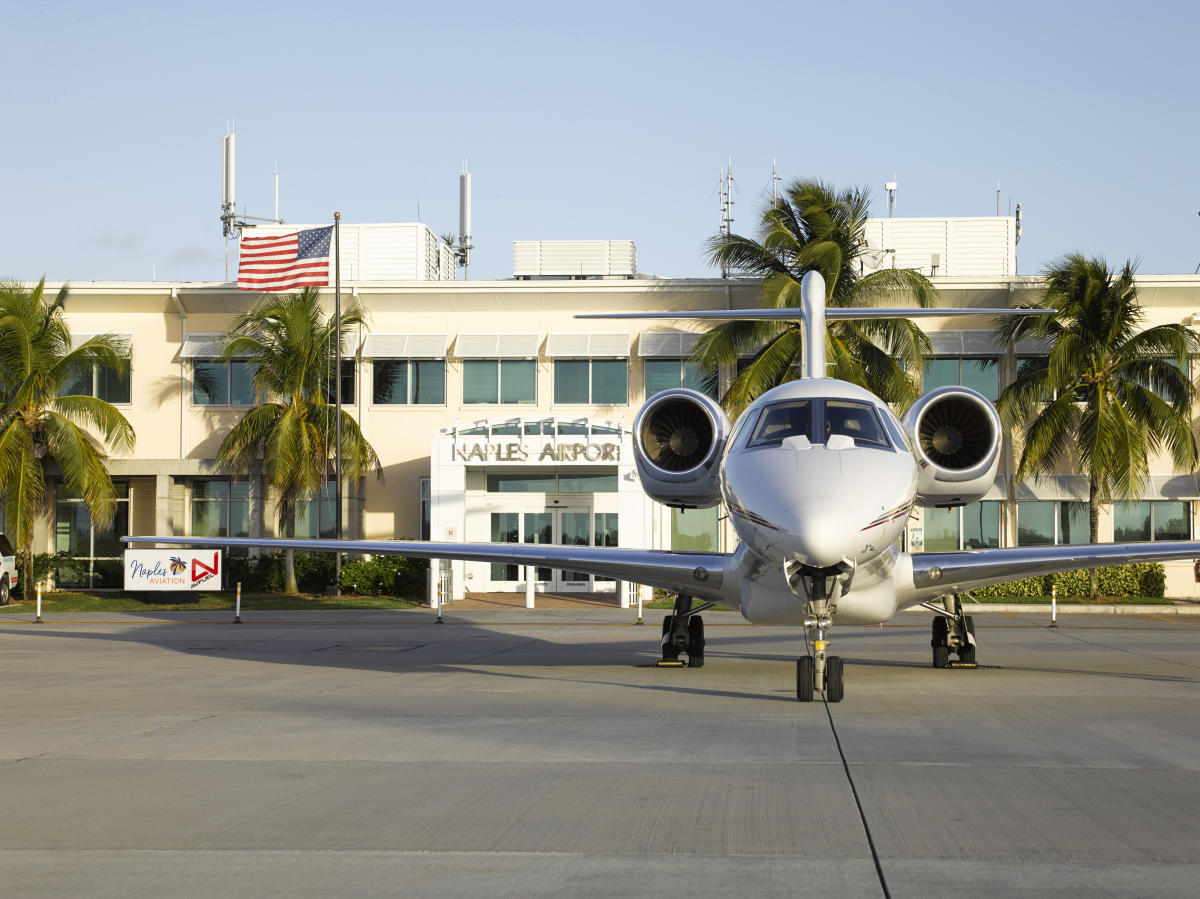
663	663
963	665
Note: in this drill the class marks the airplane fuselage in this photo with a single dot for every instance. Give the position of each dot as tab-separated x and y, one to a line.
818	472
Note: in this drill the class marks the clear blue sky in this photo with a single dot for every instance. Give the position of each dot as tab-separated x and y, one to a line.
591	121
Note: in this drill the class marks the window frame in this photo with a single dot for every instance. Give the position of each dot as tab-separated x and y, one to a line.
228	366
500	362
960	358
960	512
683	361
1056	517
1156	504
590	362
409	364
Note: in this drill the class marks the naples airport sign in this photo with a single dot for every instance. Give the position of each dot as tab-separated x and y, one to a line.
173	569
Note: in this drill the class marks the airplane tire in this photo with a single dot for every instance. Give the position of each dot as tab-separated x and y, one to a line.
940	629
834	686
695	642
669	652
805	666
941	656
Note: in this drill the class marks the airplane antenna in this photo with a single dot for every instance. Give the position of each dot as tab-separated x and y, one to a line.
890	187
463	252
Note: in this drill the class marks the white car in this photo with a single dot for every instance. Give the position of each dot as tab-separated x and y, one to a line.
8	570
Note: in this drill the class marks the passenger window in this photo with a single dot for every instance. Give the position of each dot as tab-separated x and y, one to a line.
857	420
781	421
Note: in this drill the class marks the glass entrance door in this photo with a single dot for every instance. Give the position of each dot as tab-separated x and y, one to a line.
574	529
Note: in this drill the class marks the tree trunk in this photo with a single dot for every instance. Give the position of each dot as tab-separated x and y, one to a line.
289	556
1094	525
28	587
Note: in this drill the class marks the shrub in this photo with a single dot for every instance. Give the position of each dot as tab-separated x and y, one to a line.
384	575
1147	579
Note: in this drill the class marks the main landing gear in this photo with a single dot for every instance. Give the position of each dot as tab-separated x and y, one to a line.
952	632
683	633
820	588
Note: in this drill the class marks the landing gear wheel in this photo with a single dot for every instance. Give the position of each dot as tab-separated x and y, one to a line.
941	656
670	652
834	687
695	648
805	666
941	629
967	653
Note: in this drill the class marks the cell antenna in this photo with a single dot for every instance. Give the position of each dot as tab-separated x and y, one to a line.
890	187
725	189
231	223
463	252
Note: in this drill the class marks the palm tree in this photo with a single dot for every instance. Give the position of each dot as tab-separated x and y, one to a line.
290	343
812	226
38	425
1109	393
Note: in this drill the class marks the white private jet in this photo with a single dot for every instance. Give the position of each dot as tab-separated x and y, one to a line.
819	477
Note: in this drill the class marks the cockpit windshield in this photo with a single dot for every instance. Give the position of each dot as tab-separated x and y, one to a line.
857	420
796	418
783	420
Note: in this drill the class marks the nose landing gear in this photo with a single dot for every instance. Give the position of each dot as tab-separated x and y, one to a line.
820	588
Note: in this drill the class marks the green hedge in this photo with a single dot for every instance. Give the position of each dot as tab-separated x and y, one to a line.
380	576
1140	579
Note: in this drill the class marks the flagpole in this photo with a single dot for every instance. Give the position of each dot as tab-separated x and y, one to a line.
337	328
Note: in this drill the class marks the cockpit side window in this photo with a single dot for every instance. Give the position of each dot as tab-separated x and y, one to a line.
857	420
783	420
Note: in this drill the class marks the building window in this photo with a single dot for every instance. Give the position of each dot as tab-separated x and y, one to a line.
103	382
348	368
695	530
220	509
218	383
95	555
317	517
595	381
569	481
973	526
1151	520
426	509
981	374
503	381
419	382
1050	523
664	374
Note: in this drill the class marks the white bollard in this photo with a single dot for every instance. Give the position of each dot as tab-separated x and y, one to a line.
530	574
639	593
1053	606
237	606
38	619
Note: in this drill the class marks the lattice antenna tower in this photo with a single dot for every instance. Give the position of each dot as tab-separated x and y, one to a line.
725	189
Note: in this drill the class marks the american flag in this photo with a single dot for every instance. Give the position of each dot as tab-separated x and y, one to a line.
285	261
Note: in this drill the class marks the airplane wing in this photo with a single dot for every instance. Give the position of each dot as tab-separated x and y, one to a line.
935	574
696	574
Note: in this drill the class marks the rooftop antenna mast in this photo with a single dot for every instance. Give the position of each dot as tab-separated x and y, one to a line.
775	182
231	223
890	187
462	253
726	191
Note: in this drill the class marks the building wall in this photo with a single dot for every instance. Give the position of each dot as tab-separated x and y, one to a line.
177	440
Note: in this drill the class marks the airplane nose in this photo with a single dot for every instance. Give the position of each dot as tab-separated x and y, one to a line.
821	531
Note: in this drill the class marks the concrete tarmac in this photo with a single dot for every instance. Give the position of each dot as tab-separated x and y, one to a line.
533	754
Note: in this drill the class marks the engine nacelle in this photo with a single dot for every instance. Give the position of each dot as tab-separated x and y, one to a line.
955	433
678	438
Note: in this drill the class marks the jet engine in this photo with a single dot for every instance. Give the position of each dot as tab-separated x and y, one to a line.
955	433
678	437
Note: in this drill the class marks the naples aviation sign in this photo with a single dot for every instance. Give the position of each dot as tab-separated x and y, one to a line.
173	569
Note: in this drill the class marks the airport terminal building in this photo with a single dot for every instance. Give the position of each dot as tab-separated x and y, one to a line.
499	416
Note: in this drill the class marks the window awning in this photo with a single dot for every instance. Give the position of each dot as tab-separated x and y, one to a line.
405	346
78	338
964	343
497	346
202	346
666	343
587	345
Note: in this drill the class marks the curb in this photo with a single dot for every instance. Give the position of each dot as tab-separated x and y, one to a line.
1073	608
